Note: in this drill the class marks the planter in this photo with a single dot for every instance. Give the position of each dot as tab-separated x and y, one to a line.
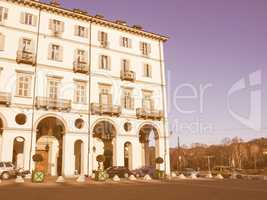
101	175
159	174
38	176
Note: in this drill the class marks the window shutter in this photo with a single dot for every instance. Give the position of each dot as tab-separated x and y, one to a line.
5	10
99	36
50	52
75	57
32	46
86	33
51	24
109	99
21	44
141	46
152	104
2	42
61	27
109	63
22	18
149	48
76	30
86	57
34	18
60	53
100	62
132	103
121	41
130	43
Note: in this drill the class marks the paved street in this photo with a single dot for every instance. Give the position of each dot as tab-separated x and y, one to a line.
182	189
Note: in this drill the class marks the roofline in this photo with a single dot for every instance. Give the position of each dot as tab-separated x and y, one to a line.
87	17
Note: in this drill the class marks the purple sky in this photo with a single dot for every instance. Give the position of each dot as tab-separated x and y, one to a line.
214	42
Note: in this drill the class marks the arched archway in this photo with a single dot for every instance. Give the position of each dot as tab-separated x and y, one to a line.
128	158
49	139
18	152
149	139
106	132
78	153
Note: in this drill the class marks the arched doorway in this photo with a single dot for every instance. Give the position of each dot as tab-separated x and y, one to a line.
18	152
78	151
128	155
49	139
1	127
106	132
149	139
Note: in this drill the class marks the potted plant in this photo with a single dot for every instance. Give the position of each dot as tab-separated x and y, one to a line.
38	174
101	174
159	174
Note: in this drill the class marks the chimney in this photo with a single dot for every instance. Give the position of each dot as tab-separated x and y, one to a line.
139	27
55	3
121	22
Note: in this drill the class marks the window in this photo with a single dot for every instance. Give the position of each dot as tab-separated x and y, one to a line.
1	164
126	42
81	56
26	45
2	42
103	38
145	48
104	62
24	85
53	88
127	100
56	26
81	31
148	103
125	65
3	14
80	92
55	52
105	97
29	19
147	70
79	123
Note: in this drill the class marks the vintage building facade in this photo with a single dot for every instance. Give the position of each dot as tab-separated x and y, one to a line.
73	86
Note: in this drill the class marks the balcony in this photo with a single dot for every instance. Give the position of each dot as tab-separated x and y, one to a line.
101	109
80	67
5	98
54	104
149	114
26	57
128	76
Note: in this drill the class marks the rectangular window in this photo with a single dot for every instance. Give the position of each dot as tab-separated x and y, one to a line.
148	104
56	26
126	42
104	62
3	14
24	85
28	19
81	31
81	56
125	65
26	45
55	52
53	88
147	70
80	93
105	97
127	99
145	48
103	38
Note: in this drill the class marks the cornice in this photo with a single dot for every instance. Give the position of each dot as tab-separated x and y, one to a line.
86	17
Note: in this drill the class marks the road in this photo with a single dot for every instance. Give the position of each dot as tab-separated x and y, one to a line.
171	190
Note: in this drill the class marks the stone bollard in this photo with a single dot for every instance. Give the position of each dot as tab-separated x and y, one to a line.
60	179
193	176
93	176
81	179
19	179
147	178
173	174
132	178
181	176
219	176
116	178
209	175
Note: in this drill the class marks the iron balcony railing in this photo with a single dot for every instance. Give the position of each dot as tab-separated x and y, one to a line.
5	98
80	67
50	103
149	114
26	57
104	109
128	76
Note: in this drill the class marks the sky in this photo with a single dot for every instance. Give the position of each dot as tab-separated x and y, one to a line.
213	45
